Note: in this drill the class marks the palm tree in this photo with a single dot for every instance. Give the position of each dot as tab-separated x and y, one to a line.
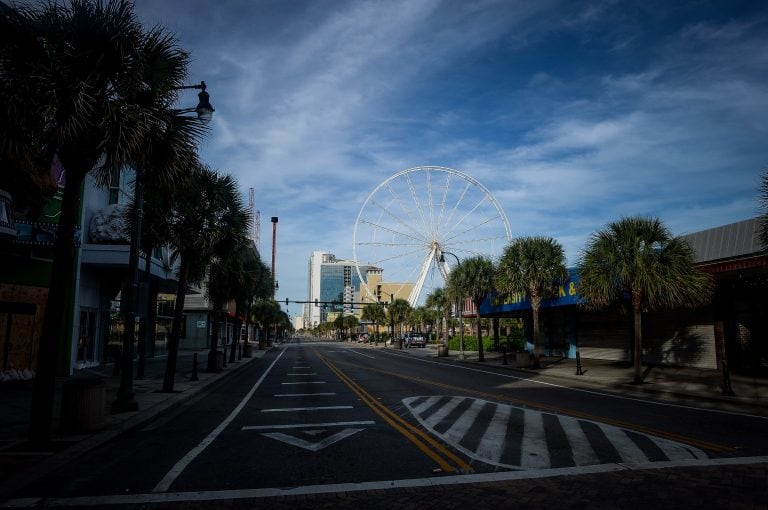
350	325
208	219
473	278
439	301
397	313
266	313
375	313
639	258
256	284
533	266
230	220
75	87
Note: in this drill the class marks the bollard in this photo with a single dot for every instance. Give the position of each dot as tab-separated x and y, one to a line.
194	368
578	364
727	390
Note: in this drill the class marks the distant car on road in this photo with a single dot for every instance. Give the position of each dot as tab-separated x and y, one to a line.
415	339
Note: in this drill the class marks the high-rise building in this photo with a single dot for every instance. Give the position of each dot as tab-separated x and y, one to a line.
334	284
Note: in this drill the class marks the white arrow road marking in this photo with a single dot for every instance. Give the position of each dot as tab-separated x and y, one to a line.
308	445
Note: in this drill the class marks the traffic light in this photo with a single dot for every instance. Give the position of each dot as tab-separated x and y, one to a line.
286	301
316	302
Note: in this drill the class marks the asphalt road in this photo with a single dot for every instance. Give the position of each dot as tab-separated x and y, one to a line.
311	418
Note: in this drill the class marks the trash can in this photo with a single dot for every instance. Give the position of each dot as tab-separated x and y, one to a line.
83	401
523	359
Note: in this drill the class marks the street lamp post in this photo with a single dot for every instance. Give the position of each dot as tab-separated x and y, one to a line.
125	401
459	306
392	318
274	240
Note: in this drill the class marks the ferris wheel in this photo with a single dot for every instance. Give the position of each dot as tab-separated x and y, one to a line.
417	224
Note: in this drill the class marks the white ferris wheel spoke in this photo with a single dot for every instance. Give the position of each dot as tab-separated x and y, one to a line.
457	204
444	201
467	215
393	231
402	205
397	219
472	227
416	202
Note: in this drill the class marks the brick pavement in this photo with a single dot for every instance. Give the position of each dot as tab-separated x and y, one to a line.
720	487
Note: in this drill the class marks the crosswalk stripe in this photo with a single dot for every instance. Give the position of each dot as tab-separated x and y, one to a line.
581	449
676	451
534	452
464	422
424	405
494	440
444	411
624	445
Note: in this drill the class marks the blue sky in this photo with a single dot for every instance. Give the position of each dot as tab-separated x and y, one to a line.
573	114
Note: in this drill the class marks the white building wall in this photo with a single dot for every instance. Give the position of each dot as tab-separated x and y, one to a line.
315	261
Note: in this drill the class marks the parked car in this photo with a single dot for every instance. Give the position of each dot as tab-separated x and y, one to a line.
415	339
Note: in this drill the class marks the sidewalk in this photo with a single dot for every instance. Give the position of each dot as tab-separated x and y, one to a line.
683	385
21	463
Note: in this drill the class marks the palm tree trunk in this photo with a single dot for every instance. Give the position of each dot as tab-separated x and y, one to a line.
638	344
144	331
535	305
236	342
213	353
178	316
480	354
58	295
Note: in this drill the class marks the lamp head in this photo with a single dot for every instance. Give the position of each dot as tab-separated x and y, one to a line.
204	109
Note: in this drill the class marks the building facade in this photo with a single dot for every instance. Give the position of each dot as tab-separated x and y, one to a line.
733	328
335	285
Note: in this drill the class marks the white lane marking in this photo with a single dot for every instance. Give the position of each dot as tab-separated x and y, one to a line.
309	445
302	382
534	452
307	425
495	437
452	480
306	373
581	390
181	465
291	409
303	394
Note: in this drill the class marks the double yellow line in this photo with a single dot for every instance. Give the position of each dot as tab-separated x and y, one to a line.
445	459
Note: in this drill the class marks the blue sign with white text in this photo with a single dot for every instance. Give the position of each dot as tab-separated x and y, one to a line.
567	294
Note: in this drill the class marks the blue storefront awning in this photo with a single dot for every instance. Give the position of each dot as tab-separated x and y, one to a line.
567	294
